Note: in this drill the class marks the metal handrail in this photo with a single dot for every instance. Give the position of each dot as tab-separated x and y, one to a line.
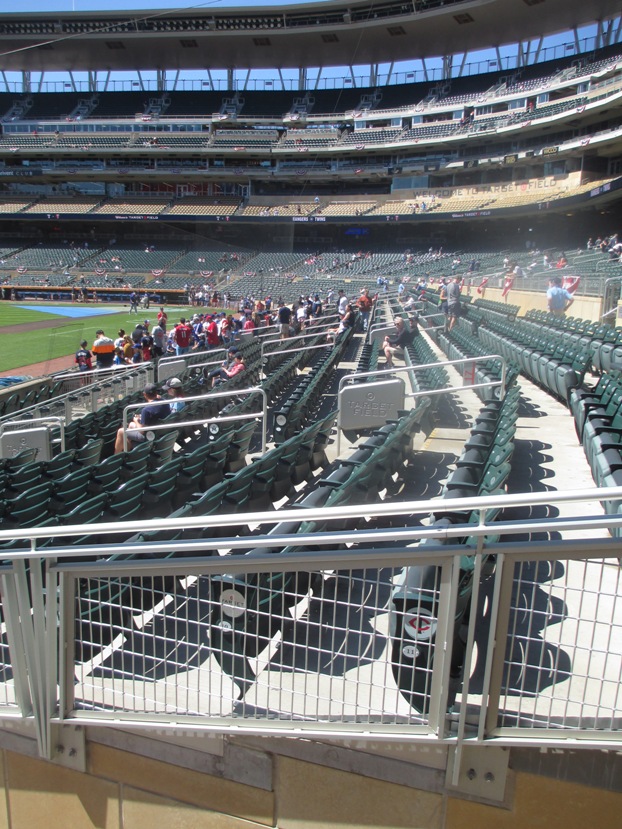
410	369
202	421
294	337
378	510
391	548
89	387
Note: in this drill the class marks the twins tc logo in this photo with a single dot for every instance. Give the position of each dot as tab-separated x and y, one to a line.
420	626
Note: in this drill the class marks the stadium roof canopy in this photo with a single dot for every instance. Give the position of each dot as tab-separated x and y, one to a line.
331	33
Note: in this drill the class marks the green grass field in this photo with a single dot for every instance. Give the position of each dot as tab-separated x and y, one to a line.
50	342
63	338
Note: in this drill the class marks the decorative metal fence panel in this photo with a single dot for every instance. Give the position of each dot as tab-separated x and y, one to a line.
500	631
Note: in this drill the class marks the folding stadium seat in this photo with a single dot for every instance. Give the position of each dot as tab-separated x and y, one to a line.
69	491
161	488
239	446
602	350
477	459
582	401
600	434
162	448
126	502
308	455
210	503
60	466
136	461
200	470
249	489
601	415
23	457
22	478
20	507
106	475
569	376
89	454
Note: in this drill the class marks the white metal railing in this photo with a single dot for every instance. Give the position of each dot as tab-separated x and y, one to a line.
201	421
87	391
320	631
349	380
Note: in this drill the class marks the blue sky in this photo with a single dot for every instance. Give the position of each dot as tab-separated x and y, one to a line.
157	6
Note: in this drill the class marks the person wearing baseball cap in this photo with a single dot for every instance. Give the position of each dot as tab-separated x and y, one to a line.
174	389
149	415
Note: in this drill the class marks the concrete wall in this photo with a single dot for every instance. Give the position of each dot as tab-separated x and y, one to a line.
334	788
584	307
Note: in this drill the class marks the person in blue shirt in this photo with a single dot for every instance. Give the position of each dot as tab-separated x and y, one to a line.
558	299
149	415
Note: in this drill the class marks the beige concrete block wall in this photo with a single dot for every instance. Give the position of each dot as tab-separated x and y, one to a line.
121	790
584	307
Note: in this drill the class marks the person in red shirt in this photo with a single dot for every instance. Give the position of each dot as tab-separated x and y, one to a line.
182	337
365	304
212	338
162	319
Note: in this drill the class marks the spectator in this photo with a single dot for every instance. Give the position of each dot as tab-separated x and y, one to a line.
442	293
118	359
84	358
159	341
212	338
226	363
182	337
128	348
227	333
285	318
103	349
395	344
301	316
453	302
149	415
226	373
558	299
146	345
174	389
348	320
364	304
